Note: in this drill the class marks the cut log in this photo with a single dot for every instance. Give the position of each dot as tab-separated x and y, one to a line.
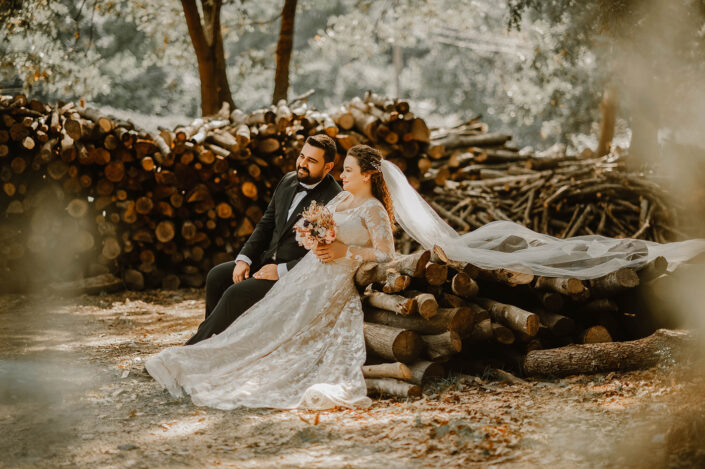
111	248
77	208
511	316
507	277
171	282
502	334
395	303
438	255
395	370
551	301
412	265
447	319
392	387
133	279
487	331
436	274
459	140
426	304
394	282
662	345
449	300
423	372
442	346
392	343
566	286
595	335
463	285
558	324
613	283
165	231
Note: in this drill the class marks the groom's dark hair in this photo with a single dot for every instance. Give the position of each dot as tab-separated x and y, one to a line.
325	143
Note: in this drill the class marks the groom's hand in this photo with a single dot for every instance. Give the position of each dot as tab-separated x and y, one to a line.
241	271
267	272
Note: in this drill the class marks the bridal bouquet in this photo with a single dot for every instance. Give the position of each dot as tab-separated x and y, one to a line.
315	227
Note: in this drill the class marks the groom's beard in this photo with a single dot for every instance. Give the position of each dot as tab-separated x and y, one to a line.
304	176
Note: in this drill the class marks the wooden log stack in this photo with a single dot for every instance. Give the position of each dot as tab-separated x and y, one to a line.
390	126
450	315
157	210
86	195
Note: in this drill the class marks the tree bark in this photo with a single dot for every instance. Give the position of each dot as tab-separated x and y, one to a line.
441	346
392	343
425	371
460	320
608	108
207	42
396	370
608	356
284	47
512	316
393	387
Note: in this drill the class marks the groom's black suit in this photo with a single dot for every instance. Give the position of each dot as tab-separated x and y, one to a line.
272	242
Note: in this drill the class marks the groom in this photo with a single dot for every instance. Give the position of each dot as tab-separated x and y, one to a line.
271	251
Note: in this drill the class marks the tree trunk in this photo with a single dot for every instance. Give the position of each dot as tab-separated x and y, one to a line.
608	108
284	47
207	42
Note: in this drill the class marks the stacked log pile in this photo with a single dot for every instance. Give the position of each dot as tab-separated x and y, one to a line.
161	209
426	314
155	209
90	195
391	127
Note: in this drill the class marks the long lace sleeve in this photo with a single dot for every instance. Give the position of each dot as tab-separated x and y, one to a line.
376	220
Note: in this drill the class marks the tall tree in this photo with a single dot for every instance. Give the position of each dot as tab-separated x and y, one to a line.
650	53
284	47
207	40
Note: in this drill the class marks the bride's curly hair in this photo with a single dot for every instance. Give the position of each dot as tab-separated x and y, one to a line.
370	161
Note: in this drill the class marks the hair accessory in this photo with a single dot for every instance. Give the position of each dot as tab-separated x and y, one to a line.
376	165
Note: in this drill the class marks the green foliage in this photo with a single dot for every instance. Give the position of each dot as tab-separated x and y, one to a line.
534	68
652	51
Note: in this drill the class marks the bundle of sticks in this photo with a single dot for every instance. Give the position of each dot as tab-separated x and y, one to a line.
426	314
479	178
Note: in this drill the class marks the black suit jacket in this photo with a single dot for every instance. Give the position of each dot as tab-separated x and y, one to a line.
273	237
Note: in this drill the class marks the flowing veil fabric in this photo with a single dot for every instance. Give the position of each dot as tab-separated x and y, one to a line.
505	244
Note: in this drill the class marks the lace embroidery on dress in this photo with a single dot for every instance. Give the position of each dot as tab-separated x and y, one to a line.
375	219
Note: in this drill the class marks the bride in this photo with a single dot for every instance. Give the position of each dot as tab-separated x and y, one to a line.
302	345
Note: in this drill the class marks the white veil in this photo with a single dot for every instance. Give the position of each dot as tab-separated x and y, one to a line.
505	244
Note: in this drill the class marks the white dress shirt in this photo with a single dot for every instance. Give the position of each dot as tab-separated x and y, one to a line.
298	197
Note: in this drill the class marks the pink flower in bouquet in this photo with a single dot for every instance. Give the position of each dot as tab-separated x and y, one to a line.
315	227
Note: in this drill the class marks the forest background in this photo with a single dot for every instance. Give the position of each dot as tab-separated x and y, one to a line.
543	71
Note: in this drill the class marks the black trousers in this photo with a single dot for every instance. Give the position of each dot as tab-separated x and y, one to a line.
226	301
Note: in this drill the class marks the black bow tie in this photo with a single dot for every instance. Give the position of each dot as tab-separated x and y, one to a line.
301	188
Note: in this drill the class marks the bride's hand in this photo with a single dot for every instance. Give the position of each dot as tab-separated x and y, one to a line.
330	252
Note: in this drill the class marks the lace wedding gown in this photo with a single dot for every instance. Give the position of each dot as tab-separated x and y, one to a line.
302	345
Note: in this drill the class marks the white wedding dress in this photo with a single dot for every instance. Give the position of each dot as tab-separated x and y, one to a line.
302	345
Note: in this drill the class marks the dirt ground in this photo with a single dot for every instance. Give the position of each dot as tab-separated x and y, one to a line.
73	393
